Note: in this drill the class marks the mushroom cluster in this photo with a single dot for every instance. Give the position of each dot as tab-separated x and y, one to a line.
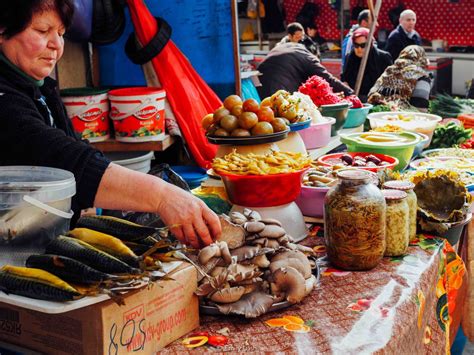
254	265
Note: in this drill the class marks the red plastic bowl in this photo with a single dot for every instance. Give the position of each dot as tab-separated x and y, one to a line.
262	190
325	160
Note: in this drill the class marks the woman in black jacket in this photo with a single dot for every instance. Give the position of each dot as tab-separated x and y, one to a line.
35	130
377	62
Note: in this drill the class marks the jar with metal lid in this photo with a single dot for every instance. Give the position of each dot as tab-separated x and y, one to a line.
407	187
398	217
354	217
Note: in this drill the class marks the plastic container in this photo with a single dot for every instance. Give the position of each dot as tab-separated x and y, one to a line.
397	223
453	234
354	221
88	109
426	123
333	159
35	207
317	135
193	175
402	150
300	125
412	201
262	190
311	201
424	143
339	112
357	116
138	161
138	113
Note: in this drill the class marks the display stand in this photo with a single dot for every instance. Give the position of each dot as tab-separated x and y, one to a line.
111	145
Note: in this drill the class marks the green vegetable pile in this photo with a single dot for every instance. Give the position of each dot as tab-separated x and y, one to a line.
447	106
380	108
450	135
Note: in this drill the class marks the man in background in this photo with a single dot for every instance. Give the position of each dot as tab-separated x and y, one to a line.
404	35
296	34
363	20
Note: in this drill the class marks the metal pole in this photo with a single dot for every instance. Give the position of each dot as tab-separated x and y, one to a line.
363	63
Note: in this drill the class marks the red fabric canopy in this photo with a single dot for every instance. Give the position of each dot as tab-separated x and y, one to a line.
189	96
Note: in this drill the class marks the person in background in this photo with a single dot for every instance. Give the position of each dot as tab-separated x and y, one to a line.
406	83
313	33
296	35
35	130
289	65
377	62
404	35
363	20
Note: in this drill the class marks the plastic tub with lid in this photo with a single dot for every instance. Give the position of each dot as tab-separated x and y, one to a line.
138	161
35	207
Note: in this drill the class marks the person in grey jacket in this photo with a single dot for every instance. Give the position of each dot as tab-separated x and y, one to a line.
289	65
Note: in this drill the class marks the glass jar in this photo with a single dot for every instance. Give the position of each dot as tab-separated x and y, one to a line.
397	228
354	217
407	187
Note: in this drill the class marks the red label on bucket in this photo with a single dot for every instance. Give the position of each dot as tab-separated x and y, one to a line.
138	115
89	116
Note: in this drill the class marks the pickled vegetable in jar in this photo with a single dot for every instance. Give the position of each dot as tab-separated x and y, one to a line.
407	187
398	218
354	217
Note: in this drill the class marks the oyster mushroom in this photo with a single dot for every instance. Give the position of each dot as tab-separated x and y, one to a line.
303	268
289	281
228	294
238	218
250	305
261	261
232	234
246	252
217	249
252	215
272	231
254	227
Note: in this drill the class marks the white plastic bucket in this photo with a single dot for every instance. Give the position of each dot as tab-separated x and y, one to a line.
88	109
138	114
35	207
138	161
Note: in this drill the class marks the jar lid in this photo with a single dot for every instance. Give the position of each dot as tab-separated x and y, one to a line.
394	194
354	174
399	185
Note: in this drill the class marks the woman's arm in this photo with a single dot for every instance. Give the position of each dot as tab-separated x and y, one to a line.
189	217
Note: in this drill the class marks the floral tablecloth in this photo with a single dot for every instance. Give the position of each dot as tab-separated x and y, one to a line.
402	306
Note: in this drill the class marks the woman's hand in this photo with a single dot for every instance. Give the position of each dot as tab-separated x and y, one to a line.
190	220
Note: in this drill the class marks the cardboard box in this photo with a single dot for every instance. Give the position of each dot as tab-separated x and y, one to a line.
150	319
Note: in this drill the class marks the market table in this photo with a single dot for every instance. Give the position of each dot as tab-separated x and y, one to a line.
398	307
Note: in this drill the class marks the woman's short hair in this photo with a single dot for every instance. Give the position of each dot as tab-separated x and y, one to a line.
16	15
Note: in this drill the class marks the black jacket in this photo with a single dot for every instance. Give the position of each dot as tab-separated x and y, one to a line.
377	62
289	65
27	137
398	39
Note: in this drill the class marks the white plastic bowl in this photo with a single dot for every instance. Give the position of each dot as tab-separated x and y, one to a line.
425	125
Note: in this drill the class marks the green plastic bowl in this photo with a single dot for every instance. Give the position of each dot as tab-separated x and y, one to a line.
357	116
403	151
339	112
